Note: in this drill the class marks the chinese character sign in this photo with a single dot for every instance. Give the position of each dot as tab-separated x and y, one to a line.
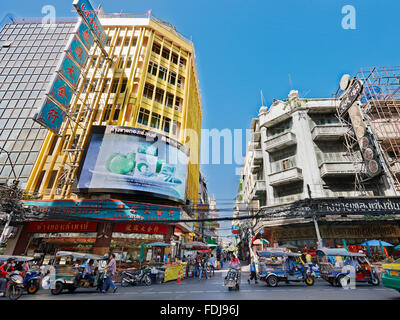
78	52
85	35
70	71
50	116
86	11
61	92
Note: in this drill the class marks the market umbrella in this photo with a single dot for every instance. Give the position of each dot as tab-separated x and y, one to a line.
369	250
196	245
288	246
212	245
376	243
397	247
383	249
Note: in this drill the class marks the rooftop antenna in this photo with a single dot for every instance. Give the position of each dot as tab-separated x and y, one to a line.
262	99
290	80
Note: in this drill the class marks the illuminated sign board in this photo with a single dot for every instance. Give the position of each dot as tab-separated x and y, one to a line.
86	11
50	116
103	209
131	160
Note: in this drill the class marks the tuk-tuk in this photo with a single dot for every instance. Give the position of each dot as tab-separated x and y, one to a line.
31	278
275	266
332	261
70	276
391	276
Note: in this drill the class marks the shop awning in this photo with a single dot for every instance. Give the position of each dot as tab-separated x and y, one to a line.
158	244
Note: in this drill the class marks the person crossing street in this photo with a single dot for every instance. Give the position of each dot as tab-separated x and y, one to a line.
111	269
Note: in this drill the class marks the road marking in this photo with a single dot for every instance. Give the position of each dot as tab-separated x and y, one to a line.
196	291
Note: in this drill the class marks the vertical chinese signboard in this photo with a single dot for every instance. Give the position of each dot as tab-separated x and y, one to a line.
55	105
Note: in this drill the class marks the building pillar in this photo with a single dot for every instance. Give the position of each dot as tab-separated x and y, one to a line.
103	238
169	234
22	240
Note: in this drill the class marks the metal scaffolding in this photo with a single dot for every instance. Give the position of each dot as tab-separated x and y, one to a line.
380	100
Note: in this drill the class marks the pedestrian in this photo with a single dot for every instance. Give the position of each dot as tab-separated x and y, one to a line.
203	267
5	269
253	274
111	269
212	264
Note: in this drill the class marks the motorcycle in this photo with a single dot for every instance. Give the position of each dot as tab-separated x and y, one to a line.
232	279
32	281
15	286
134	278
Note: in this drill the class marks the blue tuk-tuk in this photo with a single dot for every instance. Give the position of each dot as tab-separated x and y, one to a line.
275	266
332	261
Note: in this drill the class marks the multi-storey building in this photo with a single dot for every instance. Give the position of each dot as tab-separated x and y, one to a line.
147	84
298	151
29	54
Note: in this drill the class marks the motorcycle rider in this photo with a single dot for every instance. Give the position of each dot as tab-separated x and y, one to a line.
5	269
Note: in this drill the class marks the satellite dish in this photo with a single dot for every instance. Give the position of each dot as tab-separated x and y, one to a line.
344	82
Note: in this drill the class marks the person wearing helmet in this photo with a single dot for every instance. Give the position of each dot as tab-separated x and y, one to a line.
5	269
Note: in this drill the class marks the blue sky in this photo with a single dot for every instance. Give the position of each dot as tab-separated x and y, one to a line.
245	46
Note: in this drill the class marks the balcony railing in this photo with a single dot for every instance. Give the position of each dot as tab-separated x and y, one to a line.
328	132
287	176
280	141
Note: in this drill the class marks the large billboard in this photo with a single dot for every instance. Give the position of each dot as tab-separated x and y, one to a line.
131	160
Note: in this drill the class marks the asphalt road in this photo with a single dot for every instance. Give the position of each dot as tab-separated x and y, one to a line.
213	289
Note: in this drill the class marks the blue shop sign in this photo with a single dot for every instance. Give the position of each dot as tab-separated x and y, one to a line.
101	209
85	36
70	71
50	115
61	92
78	52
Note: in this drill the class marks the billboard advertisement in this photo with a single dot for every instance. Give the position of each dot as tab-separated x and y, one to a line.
130	160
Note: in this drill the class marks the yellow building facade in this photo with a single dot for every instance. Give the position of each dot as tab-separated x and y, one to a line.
148	81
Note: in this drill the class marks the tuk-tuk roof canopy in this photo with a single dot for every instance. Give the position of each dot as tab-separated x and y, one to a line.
267	253
338	252
16	258
80	255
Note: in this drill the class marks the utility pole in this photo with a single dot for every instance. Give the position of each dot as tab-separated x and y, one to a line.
319	239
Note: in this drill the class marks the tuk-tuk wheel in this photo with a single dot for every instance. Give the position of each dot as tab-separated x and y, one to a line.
309	281
272	281
33	287
339	280
375	281
59	287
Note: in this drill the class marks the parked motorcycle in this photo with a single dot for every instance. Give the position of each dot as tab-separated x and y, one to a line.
134	278
32	281
15	286
232	279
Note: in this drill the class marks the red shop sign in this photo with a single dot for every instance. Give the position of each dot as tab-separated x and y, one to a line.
57	226
141	228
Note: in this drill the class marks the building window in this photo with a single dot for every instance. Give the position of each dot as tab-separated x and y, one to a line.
85	86
117	112
152	69
176	126
148	91
121	63
126	42
143	116
52	179
166	124
169	101
165	53
114	86
178	104
162	74
159	95
182	62
172	78
106	84
123	85
53	145
156	48
155	121
129	62
39	181
181	82
107	112
174	58
94	61
119	41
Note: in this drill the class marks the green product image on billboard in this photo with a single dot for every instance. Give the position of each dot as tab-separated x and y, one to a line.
134	162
